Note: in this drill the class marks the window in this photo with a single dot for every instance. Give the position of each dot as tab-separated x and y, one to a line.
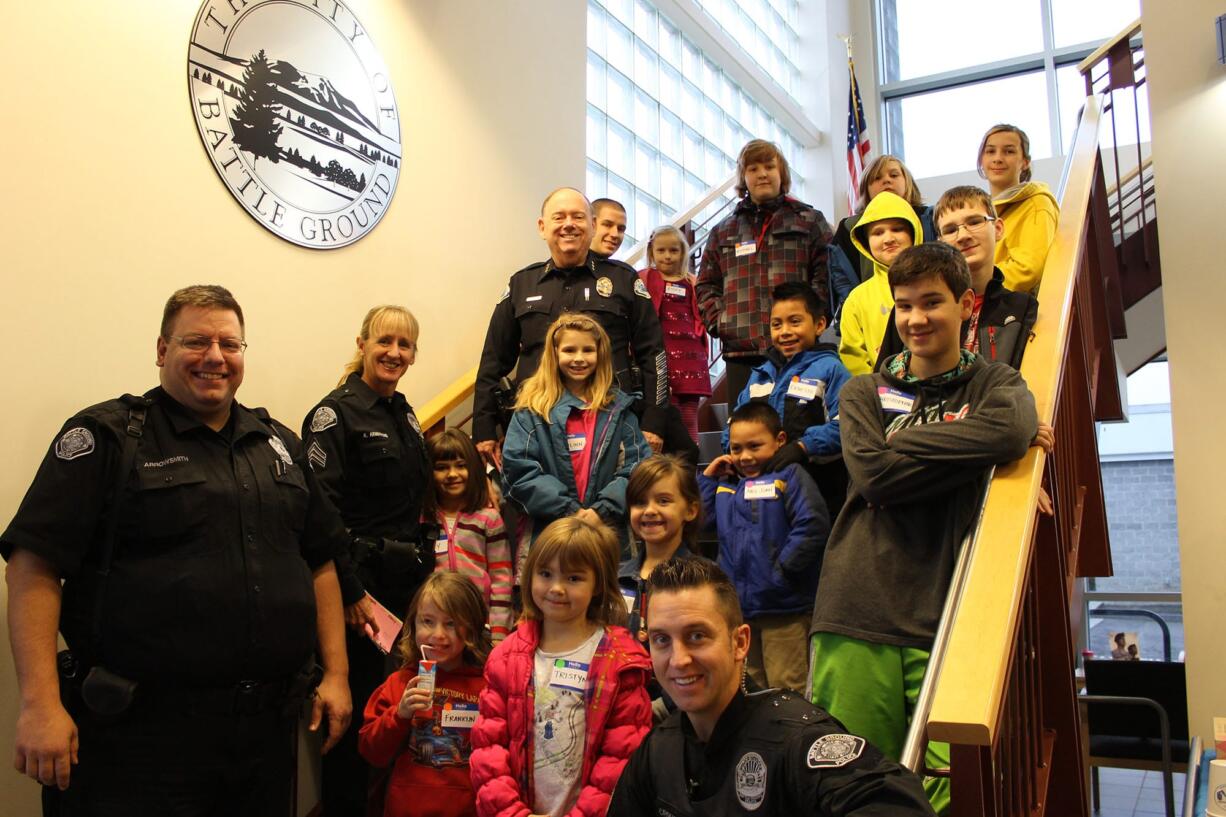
664	121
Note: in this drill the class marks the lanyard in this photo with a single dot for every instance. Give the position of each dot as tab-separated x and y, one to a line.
765	226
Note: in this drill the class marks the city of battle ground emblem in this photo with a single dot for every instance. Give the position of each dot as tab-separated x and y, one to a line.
296	111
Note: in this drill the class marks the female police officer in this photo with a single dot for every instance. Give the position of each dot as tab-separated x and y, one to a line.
366	448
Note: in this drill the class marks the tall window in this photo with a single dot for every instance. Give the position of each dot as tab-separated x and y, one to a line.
664	122
767	29
950	72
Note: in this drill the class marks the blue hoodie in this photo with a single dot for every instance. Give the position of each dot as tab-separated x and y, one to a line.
771	547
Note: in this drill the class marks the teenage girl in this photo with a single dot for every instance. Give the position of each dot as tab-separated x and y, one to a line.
565	702
470	537
665	517
573	439
670	282
1028	209
426	735
848	268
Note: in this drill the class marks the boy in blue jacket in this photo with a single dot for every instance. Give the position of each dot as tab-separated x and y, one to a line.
801	379
772	526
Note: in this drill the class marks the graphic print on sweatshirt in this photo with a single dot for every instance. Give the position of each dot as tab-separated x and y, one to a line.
445	739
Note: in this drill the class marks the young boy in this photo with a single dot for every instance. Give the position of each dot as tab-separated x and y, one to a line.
918	438
1001	320
772	526
801	379
889	226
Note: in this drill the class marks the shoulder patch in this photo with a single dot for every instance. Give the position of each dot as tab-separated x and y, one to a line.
279	446
317	456
323	419
640	289
412	418
834	751
751	781
75	442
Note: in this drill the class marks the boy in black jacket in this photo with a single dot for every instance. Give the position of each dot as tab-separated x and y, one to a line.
1001	321
919	435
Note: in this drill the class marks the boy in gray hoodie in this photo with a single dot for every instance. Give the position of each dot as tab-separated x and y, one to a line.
919	436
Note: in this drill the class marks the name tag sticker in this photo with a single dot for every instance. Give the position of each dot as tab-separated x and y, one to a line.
674	289
803	388
570	675
760	489
459	716
746	248
894	400
760	390
576	442
629	596
440	544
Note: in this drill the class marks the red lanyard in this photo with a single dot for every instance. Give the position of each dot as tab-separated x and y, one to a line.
765	226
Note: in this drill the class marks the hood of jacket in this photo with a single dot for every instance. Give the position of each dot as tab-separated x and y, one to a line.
934	394
885	205
799	359
1024	191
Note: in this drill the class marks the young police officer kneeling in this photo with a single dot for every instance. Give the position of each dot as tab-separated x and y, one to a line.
728	752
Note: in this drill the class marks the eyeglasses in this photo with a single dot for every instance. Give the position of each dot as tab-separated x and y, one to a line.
199	343
971	224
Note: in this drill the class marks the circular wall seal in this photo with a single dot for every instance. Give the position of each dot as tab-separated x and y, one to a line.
296	112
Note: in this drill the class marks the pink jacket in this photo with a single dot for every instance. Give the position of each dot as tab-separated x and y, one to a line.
618	718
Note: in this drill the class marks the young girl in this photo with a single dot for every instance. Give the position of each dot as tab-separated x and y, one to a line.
1028	209
573	440
848	269
427	735
671	286
470	537
565	703
665	517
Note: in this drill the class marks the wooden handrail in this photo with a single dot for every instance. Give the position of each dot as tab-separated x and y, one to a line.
440	405
966	707
1130	175
1127	33
685	216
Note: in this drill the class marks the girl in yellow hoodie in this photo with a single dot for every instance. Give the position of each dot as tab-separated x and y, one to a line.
1028	209
889	225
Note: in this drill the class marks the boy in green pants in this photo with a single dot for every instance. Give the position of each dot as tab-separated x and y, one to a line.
919	436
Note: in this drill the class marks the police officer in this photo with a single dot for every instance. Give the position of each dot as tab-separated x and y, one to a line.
725	752
196	553
366	448
572	280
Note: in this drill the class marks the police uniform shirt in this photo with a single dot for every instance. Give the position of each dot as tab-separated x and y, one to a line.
608	291
211	581
368	453
771	754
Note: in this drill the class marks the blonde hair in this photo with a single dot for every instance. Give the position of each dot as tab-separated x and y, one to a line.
458	597
381	320
1023	142
874	171
542	391
578	544
669	229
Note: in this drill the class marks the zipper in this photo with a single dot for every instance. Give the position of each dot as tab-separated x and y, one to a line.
992	340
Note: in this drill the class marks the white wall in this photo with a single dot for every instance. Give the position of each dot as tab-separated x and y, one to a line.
112	204
1188	111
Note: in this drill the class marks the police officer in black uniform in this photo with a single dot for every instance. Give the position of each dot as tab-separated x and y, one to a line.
367	451
725	752
196	552
572	280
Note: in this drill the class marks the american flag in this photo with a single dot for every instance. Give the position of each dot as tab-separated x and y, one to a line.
857	138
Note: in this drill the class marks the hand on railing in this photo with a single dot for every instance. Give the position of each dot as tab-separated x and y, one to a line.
1045	438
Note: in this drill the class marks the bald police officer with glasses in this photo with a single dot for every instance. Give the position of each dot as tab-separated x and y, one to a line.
195	552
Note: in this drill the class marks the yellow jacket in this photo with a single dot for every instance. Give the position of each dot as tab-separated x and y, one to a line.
867	308
1030	213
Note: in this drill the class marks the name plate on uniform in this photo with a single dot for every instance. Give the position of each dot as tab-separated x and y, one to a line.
803	388
571	675
760	489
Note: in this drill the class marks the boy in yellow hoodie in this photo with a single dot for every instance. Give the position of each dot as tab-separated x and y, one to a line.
889	225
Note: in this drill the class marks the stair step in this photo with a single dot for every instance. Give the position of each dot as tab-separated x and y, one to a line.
710	445
720	410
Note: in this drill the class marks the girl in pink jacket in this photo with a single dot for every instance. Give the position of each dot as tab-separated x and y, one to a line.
565	702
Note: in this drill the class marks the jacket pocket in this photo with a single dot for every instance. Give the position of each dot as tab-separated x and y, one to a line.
168	504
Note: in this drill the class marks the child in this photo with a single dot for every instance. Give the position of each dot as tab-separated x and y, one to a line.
1001	320
573	440
671	286
1028	209
801	380
919	435
665	517
565	703
848	268
772	527
889	225
427	735
470	536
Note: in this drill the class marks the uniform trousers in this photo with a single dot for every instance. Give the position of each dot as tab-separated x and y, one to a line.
345	776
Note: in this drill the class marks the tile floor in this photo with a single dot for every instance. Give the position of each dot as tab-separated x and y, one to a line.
1129	793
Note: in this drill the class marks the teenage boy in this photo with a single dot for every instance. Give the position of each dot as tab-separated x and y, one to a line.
801	380
772	526
889	226
610	232
1001	320
919	436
